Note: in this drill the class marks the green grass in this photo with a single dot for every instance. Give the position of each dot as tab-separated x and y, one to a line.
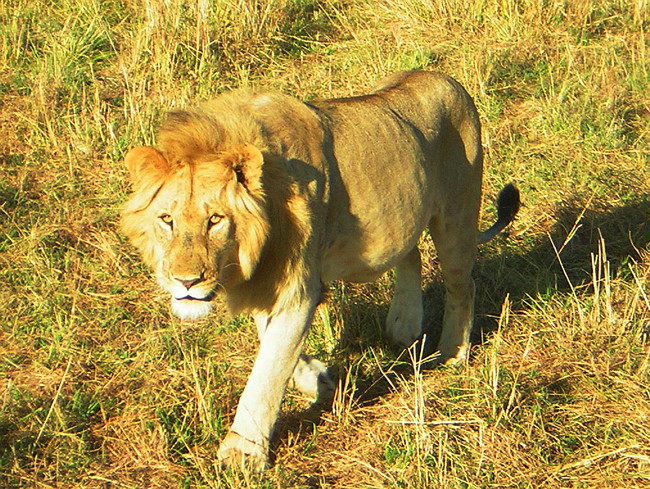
100	387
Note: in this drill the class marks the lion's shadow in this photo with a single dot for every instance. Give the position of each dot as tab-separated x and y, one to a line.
501	270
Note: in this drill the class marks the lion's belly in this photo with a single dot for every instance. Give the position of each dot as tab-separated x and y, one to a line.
363	253
344	260
348	269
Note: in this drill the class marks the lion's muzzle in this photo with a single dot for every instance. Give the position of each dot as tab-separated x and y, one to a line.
191	297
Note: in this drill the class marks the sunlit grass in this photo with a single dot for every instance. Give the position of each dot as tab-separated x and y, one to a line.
100	387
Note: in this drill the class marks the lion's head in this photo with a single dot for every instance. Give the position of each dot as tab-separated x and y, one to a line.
199	220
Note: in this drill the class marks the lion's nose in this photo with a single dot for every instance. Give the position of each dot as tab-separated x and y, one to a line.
188	283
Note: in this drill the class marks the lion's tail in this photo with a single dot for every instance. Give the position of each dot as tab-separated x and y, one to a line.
507	207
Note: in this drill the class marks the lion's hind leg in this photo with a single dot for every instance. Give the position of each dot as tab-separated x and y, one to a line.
404	321
456	249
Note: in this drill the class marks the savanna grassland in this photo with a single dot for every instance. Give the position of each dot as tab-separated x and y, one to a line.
101	388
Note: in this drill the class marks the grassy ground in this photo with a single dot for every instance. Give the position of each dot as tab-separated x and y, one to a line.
99	387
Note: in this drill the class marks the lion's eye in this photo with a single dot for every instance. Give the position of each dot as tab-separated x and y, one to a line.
167	220
215	220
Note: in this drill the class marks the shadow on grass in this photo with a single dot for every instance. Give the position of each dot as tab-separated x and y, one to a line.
538	271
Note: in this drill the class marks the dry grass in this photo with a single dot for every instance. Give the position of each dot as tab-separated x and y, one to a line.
101	388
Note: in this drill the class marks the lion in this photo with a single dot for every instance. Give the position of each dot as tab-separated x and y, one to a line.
266	199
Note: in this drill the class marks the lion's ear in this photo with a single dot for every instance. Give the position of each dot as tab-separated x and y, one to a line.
145	160
246	162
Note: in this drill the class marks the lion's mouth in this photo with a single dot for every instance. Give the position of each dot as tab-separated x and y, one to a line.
190	307
190	298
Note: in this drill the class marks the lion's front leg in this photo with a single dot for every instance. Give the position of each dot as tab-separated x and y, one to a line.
247	443
237	452
310	376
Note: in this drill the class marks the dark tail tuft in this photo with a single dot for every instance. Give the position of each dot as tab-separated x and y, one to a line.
508	203
507	207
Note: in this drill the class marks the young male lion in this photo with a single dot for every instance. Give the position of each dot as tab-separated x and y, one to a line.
267	198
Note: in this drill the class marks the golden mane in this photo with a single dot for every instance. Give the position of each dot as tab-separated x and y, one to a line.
209	128
270	206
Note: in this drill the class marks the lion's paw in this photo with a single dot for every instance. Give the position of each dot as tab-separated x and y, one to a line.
236	452
404	321
451	355
311	378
